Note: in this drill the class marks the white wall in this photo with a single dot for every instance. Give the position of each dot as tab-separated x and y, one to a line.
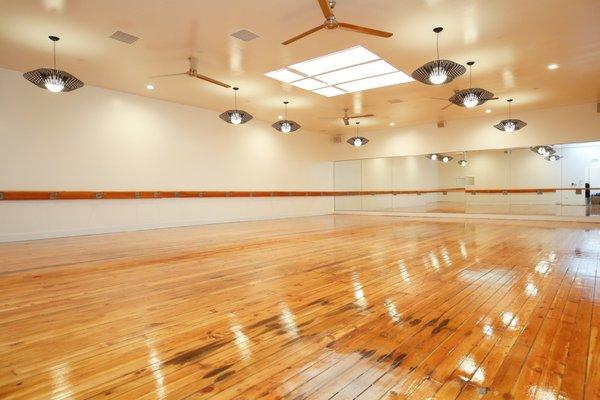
96	139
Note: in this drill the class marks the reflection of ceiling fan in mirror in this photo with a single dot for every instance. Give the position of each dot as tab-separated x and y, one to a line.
346	118
332	23
192	71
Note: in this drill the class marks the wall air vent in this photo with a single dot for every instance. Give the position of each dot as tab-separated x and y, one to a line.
124	37
245	35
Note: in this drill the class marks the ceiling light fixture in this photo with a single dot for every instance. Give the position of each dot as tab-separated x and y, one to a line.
510	125
392	124
553	157
473	96
235	116
552	67
447	159
150	86
357	141
433	156
53	79
463	161
285	125
438	72
488	111
543	151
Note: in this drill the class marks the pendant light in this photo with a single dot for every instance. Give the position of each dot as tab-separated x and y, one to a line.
543	151
463	161
471	97
438	72
433	156
235	116
357	141
446	159
553	157
510	125
53	79
285	125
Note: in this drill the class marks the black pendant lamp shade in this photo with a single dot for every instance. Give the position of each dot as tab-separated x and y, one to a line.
235	116
53	79
357	141
438	72
510	125
471	97
285	125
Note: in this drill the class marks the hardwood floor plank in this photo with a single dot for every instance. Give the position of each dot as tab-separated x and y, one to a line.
331	307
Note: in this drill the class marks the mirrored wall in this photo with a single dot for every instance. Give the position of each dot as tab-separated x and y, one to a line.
558	180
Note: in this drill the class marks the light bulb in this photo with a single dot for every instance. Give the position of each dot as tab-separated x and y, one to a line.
541	151
445	159
438	76
286	127
235	118
54	84
509	126
470	100
434	157
553	158
462	163
357	142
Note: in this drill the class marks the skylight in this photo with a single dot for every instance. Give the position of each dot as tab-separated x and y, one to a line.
345	71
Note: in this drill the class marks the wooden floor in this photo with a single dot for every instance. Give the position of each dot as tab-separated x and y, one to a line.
332	307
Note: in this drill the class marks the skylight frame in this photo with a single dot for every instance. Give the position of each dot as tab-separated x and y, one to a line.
342	70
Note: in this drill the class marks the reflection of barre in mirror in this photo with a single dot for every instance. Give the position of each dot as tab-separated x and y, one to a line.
555	181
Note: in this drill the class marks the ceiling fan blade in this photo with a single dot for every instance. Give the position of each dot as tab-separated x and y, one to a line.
211	80
362	116
449	104
166	75
438	98
300	36
325	8
494	98
362	29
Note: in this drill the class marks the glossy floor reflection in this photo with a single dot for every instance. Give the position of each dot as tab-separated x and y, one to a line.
338	307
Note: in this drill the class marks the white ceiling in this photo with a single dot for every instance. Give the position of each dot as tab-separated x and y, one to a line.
512	42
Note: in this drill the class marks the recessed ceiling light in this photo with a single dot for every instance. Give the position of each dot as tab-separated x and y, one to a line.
279	117
378	67
329	91
552	66
392	124
488	111
376	82
150	86
284	75
330	62
309	84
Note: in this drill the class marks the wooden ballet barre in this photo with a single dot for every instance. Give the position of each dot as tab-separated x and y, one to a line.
13	195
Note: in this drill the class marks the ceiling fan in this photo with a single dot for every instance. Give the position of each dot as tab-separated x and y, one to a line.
192	71
346	118
332	23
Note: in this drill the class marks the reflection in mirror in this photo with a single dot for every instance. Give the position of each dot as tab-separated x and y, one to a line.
559	180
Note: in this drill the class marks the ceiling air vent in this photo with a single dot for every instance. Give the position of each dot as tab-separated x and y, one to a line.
395	101
124	37
245	35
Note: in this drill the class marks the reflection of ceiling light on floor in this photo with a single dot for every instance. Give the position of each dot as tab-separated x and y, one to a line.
345	71
531	289
509	320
